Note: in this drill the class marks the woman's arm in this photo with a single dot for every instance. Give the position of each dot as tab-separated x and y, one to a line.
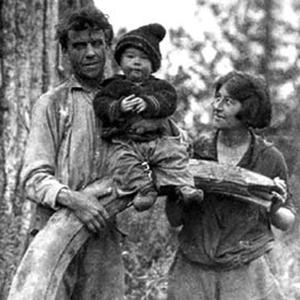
281	217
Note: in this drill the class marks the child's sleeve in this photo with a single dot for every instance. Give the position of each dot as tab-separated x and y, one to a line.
161	99
107	102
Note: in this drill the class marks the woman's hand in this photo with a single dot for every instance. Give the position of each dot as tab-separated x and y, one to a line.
279	196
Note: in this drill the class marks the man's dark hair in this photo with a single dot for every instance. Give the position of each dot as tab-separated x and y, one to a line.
85	18
253	93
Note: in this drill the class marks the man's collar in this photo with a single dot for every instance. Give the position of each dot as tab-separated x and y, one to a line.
74	83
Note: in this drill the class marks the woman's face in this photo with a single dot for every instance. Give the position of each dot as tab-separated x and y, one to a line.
225	110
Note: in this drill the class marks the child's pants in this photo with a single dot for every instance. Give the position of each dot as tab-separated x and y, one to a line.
166	156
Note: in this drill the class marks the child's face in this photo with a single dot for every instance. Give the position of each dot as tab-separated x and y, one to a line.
135	64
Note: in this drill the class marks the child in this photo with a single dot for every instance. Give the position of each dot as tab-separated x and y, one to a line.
134	109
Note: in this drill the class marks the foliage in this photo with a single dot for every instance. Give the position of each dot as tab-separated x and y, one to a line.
148	251
253	36
250	36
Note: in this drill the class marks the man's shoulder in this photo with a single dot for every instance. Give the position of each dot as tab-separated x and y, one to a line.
55	95
58	91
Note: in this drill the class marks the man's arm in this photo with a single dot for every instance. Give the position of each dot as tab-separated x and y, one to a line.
38	174
85	206
39	171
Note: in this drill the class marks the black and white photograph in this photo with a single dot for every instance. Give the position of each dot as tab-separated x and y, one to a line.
150	150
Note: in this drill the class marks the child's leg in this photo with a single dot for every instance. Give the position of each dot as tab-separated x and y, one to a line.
131	172
171	168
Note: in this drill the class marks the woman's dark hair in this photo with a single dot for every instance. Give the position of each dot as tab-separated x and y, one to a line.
253	93
85	18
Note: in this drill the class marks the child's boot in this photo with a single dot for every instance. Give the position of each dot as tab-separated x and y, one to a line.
143	201
190	194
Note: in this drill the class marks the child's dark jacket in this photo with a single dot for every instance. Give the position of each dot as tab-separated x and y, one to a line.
161	99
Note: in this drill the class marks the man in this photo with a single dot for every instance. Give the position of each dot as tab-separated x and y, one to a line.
62	149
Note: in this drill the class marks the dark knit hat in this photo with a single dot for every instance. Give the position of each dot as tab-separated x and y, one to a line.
145	38
253	93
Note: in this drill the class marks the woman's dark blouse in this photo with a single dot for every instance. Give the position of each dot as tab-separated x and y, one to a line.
224	233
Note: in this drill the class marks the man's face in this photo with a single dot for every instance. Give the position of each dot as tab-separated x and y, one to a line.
86	51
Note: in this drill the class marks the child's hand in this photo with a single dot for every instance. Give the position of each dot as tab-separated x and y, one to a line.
127	104
133	103
140	105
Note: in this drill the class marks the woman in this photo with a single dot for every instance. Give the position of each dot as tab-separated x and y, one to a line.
224	243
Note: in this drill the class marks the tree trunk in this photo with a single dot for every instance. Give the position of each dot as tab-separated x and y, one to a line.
268	39
49	254
28	60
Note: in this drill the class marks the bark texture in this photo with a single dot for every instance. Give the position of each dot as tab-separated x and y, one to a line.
48	256
29	57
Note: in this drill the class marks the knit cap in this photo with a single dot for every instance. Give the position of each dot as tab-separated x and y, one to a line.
145	38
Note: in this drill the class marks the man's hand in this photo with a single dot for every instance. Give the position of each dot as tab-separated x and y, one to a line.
86	207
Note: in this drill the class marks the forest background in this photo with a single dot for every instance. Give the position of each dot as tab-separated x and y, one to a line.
253	36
